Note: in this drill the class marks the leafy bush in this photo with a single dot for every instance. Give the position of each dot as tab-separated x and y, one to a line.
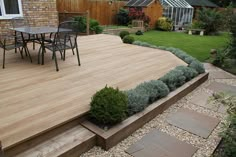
123	17
189	73
81	23
128	39
123	34
139	32
139	14
164	24
136	101
198	66
108	106
196	24
219	59
93	24
210	20
155	90
173	79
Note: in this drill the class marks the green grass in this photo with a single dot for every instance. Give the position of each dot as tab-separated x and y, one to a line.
113	26
195	45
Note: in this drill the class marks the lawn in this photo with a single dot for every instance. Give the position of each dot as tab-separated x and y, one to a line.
195	45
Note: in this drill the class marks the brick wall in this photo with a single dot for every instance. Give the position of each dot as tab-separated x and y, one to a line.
38	13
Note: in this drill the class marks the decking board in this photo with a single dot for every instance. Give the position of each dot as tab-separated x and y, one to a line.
35	98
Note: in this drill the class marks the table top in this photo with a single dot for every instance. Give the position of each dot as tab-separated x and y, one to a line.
38	30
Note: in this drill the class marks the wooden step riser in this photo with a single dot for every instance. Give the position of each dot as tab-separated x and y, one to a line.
80	149
1	151
30	143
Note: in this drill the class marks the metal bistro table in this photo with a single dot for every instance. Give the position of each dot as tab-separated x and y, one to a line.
38	31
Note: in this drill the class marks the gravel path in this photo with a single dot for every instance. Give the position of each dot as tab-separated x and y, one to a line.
206	146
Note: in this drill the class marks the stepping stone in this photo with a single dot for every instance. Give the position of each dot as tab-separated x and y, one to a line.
159	144
210	67
220	75
193	122
221	87
201	99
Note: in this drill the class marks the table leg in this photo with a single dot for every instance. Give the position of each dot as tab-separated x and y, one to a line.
43	47
25	46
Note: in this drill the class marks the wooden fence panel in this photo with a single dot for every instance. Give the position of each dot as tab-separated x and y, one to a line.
102	10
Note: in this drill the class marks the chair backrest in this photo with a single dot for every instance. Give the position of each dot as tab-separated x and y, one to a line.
67	32
19	22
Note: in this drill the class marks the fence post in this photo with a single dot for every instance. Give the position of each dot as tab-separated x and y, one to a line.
87	30
1	151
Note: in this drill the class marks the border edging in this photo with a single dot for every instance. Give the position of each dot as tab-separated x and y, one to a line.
109	138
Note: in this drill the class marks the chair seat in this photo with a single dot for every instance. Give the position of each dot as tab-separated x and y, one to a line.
58	47
13	46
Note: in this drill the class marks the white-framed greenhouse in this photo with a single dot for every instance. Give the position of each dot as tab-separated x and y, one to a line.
179	11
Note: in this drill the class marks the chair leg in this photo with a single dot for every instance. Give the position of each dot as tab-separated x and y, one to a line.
21	53
77	52
3	64
39	54
64	55
72	47
33	45
27	52
55	57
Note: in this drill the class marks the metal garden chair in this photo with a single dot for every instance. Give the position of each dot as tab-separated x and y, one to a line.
8	43
64	39
23	22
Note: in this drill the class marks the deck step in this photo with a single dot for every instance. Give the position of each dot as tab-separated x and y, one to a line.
70	143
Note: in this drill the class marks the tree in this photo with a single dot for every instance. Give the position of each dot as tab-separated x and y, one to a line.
232	51
210	20
224	3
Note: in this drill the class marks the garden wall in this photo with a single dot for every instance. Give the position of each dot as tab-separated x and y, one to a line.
38	12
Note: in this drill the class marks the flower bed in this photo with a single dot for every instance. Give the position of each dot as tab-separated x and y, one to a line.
140	104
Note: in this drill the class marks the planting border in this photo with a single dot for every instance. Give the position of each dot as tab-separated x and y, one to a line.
109	138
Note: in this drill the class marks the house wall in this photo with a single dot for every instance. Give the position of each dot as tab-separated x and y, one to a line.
38	13
154	11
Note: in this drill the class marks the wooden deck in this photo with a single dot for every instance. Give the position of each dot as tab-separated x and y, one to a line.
35	98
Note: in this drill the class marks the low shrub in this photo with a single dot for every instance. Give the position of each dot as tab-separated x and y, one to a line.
139	32
198	66
136	101
228	144
128	39
193	63
123	34
219	59
108	106
174	79
164	24
155	89
189	73
93	25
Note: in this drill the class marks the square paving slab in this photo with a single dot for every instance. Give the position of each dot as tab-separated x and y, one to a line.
220	75
194	122
159	144
202	98
221	87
